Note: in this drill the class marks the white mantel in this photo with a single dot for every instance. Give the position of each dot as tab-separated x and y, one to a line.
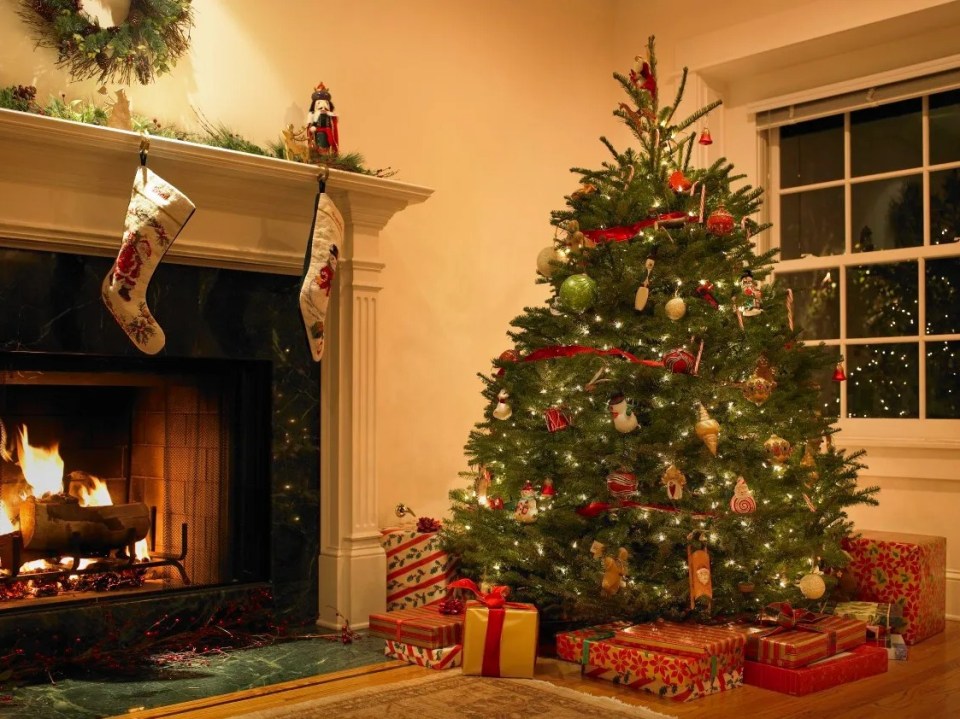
64	186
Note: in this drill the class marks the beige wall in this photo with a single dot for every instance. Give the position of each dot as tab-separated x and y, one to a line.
490	103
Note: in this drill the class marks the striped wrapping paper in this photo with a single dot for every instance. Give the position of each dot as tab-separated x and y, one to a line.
442	658
719	649
421	626
418	570
794	648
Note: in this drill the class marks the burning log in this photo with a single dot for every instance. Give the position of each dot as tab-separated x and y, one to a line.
58	524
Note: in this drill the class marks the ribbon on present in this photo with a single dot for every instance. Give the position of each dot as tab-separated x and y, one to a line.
628	232
496	603
494	599
587	642
784	618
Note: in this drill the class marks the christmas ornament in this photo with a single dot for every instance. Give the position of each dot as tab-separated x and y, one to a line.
809	502
323	134
622	484
679	361
778	449
675	308
742	502
812	586
575	240
624	420
745	587
577	293
705	138
507	356
679	183
495	502
526	511
809	462
556	419
760	385
323	252
548	490
705	292
642	77
597	549
707	429
597	379
720	222
838	374
752	304
156	214
546	259
451	606
614	571
698	565
502	410
585	189
674	480
643	293
482	484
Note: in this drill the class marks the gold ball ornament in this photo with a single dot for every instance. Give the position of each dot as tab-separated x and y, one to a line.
545	260
757	389
812	586
778	449
707	429
675	308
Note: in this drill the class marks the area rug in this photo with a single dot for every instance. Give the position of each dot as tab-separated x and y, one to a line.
450	694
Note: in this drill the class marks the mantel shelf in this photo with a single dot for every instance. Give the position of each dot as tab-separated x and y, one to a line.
64	186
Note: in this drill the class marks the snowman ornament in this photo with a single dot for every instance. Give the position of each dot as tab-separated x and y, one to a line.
526	511
624	420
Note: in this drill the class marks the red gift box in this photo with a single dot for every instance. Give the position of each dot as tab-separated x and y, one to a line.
864	661
905	569
421	626
720	645
418	570
570	645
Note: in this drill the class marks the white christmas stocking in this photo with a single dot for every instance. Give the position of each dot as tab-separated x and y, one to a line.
155	216
323	249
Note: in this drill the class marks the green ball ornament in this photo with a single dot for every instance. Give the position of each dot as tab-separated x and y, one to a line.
578	292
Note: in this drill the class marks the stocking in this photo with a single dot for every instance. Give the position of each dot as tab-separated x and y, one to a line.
323	249
156	214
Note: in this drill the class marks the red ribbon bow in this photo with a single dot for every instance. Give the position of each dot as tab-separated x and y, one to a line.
494	599
786	617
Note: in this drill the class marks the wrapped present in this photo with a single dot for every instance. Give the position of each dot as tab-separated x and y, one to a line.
671	676
572	646
794	638
418	570
905	569
896	648
499	637
441	658
719	649
420	626
882	618
864	661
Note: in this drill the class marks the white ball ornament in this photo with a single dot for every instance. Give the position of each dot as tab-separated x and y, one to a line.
812	586
676	308
547	256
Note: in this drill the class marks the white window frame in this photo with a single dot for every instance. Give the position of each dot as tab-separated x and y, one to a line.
904	432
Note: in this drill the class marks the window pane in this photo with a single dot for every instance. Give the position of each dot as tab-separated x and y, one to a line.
887	214
945	127
945	206
811	152
882	300
882	380
886	138
830	399
816	302
943	380
811	223
943	296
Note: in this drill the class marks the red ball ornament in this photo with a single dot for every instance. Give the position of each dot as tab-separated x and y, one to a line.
622	483
679	183
679	361
720	222
507	356
495	502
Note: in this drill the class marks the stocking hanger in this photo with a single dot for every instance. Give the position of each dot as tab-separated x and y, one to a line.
144	148
323	177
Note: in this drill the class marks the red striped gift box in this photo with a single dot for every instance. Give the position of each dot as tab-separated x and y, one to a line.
718	647
418	570
421	626
820	637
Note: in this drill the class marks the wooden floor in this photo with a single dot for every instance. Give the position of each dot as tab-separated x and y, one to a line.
927	686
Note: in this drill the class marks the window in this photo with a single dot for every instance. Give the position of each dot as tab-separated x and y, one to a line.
866	211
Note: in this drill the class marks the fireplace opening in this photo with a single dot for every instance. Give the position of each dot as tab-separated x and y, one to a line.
131	475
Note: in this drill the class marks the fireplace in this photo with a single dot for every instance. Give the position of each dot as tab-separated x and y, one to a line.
177	448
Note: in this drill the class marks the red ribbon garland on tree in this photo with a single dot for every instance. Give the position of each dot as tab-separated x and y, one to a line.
595	509
628	232
572	350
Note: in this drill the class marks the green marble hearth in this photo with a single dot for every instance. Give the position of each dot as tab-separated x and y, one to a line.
94	697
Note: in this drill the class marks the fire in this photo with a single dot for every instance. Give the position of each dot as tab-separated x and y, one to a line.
99	496
42	466
6	525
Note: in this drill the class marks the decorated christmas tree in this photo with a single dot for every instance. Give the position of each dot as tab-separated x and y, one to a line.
655	442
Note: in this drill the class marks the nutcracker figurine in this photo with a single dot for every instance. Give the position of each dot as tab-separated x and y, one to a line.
322	135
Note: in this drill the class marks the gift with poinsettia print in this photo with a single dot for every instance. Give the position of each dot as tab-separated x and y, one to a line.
418	569
439	658
905	569
570	645
864	661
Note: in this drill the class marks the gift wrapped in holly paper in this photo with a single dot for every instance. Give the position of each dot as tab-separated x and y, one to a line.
424	627
882	618
720	650
864	661
905	569
418	569
573	646
793	638
441	658
499	637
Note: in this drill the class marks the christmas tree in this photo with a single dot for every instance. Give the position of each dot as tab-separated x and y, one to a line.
654	443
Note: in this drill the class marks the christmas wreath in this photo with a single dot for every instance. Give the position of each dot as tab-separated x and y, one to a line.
148	43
